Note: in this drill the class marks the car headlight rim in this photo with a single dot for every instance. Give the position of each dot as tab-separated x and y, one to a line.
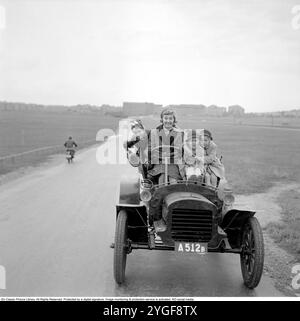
229	199
145	195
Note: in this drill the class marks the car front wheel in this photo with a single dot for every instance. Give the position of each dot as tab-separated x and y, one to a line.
252	255
120	248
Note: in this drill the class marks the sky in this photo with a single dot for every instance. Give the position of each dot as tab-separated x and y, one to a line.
221	52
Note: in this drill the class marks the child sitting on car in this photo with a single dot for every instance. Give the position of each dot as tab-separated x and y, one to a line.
214	168
137	145
194	154
201	158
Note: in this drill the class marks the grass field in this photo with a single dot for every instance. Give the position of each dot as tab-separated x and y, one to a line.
21	131
260	121
282	122
287	232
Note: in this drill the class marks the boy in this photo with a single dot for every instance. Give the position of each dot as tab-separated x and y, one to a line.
214	168
137	146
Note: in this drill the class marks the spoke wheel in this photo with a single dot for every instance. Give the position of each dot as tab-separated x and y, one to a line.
121	247
252	255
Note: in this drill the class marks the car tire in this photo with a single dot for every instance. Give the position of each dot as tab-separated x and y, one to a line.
252	255
120	248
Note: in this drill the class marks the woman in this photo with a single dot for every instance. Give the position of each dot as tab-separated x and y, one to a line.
166	142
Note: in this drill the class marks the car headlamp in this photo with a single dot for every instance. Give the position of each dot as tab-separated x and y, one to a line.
145	195
229	199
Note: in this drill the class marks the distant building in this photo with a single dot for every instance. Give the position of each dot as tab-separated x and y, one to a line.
116	111
188	110
214	110
140	109
292	113
236	110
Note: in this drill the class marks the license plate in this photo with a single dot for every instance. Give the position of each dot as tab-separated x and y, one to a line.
188	247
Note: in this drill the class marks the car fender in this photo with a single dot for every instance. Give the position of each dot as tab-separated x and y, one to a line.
129	192
129	200
235	218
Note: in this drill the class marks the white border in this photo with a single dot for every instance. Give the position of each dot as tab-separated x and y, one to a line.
154	299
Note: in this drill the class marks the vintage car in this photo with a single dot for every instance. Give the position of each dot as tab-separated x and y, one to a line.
199	219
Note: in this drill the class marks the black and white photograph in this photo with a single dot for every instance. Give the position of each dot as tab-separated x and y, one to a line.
150	150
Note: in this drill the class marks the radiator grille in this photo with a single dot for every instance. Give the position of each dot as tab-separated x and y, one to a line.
191	225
